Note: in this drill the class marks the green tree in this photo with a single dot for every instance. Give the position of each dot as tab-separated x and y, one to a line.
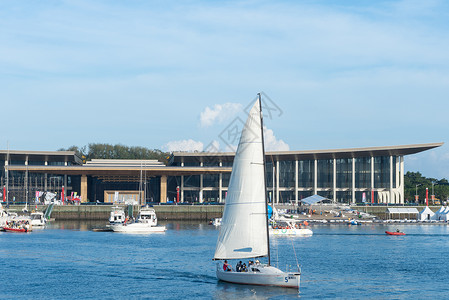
118	151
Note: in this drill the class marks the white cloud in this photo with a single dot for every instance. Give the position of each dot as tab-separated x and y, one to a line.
272	143
219	113
184	145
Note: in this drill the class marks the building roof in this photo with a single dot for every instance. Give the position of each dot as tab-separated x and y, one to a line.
49	156
400	150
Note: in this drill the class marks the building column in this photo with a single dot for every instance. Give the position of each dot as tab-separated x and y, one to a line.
201	186
83	188
26	180
334	181
65	184
45	178
163	198
7	179
277	182
182	189
296	182
315	177
353	180
401	189
182	185
391	180
220	184
372	178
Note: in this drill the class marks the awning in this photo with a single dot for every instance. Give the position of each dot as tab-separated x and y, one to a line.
313	199
402	210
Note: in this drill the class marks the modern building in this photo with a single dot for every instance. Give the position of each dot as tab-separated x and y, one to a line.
374	174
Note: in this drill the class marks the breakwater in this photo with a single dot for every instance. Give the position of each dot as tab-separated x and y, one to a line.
101	212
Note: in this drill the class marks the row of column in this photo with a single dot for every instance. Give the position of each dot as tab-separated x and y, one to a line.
395	194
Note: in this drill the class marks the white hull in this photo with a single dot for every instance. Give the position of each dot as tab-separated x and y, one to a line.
36	223
268	275
137	228
292	231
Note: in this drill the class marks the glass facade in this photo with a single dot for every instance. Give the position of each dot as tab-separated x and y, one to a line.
350	187
306	173
378	173
382	172
362	172
287	173
344	172
325	171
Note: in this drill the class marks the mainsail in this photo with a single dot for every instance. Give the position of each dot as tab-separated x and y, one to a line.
243	233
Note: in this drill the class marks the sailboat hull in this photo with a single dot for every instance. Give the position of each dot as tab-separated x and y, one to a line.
267	275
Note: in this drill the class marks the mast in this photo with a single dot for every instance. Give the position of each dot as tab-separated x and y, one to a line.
264	179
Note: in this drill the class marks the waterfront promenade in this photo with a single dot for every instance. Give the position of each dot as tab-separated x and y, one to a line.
185	212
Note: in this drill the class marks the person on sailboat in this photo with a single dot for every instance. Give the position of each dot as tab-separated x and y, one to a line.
239	266
226	266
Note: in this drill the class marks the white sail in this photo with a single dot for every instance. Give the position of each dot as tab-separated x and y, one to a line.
243	233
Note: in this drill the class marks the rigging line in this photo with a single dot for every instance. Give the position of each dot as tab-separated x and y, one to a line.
296	258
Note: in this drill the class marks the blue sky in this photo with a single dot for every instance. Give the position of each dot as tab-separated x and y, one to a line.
175	75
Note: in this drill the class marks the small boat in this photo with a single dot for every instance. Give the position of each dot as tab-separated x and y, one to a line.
394	233
289	228
11	229
244	230
146	223
215	222
37	219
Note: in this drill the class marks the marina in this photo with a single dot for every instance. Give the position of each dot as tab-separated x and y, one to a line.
69	260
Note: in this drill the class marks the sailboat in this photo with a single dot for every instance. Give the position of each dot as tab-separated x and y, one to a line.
244	230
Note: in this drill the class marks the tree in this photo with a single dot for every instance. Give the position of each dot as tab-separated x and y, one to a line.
118	151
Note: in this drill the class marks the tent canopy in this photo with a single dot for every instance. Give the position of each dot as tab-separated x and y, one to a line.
313	199
402	210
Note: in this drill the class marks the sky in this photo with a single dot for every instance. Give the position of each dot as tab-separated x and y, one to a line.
177	75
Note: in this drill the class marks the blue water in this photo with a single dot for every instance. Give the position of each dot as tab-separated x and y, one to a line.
67	260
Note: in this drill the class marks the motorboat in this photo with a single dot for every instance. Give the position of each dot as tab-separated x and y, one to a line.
146	222
394	233
12	229
117	216
289	228
244	229
38	219
19	224
216	221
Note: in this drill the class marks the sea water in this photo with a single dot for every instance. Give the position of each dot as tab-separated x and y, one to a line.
68	260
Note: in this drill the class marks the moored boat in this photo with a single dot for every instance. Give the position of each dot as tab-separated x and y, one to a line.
37	219
146	222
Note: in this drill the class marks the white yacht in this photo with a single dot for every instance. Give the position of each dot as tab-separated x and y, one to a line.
37	219
117	216
146	222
